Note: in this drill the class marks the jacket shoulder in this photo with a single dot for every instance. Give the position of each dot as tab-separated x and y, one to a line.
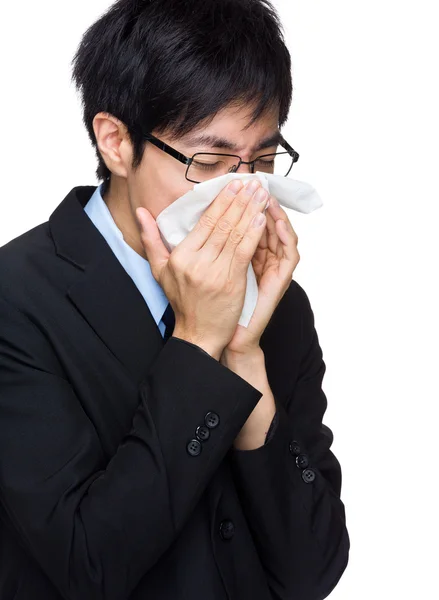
27	241
21	256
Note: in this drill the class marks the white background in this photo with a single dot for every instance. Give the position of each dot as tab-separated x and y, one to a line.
364	119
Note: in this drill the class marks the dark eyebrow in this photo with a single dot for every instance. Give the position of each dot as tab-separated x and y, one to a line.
213	141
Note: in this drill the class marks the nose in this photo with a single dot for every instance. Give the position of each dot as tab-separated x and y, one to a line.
243	168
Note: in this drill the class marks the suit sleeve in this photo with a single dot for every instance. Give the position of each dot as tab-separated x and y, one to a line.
290	487
96	526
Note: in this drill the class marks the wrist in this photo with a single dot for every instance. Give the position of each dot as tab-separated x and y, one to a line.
251	359
211	349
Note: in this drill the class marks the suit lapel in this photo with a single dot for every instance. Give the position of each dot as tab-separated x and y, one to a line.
103	292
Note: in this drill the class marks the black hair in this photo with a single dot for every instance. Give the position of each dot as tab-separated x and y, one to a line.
169	65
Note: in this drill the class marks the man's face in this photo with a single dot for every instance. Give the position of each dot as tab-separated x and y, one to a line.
160	179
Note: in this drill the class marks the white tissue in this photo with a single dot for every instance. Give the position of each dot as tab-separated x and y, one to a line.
179	218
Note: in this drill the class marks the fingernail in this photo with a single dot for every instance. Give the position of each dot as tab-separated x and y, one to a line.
252	186
260	196
235	186
258	220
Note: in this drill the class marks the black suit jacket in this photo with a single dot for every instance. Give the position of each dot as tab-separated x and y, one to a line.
102	493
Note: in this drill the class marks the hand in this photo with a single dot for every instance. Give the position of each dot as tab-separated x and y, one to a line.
274	262
205	276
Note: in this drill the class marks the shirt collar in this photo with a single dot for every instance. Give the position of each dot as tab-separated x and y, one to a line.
135	265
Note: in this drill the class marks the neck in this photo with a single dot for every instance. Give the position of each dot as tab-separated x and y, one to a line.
115	196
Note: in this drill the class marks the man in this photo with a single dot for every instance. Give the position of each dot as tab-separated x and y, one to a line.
151	448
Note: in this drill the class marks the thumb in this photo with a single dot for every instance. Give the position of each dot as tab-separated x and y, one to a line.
156	252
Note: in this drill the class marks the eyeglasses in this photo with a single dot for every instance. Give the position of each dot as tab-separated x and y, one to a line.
206	165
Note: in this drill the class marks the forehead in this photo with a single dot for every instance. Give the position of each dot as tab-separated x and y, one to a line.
229	130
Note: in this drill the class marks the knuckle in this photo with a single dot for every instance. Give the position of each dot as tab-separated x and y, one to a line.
236	236
207	221
207	281
215	241
195	274
196	280
176	262
192	278
225	226
242	200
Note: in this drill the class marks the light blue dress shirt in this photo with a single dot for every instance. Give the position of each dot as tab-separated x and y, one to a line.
135	265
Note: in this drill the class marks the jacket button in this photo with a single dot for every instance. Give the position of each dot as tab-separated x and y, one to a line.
211	419
227	529
202	433
308	475
302	461
194	447
294	448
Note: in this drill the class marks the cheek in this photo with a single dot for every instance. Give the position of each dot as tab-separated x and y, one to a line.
159	193
169	187
160	183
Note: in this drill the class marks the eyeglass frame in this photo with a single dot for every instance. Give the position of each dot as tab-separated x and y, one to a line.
188	160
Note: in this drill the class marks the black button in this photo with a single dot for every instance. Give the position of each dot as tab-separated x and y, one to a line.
294	447
211	419
308	475
202	433
227	529
194	447
302	461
